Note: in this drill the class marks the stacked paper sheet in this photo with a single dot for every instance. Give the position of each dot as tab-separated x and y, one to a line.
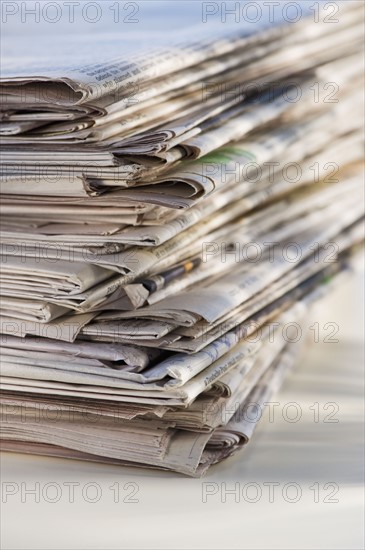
168	218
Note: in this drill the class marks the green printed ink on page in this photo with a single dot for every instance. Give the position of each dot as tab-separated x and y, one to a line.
227	154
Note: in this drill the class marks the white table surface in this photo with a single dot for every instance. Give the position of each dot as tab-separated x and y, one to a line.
170	512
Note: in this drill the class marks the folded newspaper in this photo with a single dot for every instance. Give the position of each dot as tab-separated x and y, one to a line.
169	216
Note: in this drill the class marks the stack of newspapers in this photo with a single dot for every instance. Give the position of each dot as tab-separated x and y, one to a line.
169	216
